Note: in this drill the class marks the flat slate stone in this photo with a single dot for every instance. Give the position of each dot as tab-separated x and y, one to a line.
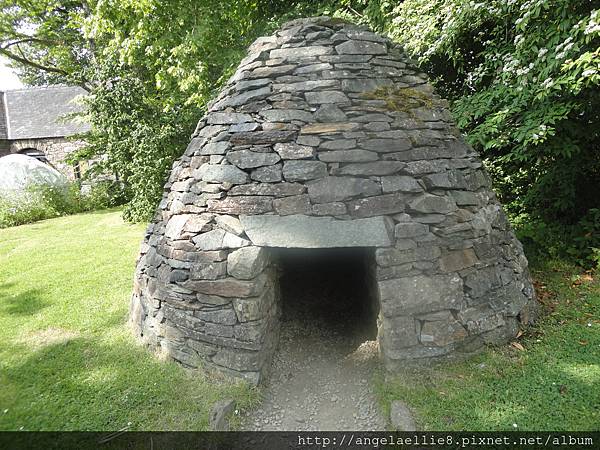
401	418
276	190
267	174
261	137
371	168
420	294
286	115
291	150
218	118
304	170
300	52
247	159
335	189
300	231
348	156
361	48
386	145
326	97
221	174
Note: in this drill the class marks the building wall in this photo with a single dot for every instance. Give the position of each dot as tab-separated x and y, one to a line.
4	147
55	149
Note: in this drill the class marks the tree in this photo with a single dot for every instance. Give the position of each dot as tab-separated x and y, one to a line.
44	39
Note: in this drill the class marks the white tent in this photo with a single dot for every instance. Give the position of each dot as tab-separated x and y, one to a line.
19	171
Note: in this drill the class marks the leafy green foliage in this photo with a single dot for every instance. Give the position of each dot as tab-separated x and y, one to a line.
41	202
44	39
160	65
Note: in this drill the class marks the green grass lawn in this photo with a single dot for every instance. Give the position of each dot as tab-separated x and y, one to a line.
68	361
552	383
67	358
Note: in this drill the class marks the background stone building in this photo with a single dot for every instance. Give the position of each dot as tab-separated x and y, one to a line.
33	122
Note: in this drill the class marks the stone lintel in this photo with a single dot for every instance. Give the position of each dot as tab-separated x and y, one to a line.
300	231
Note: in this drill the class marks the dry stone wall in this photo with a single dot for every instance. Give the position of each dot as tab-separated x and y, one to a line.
327	135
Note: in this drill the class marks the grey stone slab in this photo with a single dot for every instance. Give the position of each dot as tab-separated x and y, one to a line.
302	86
348	156
364	84
401	417
329	209
227	118
301	231
361	48
338	144
313	68
286	115
291	150
245	85
243	98
247	262
230	224
221	174
377	205
267	174
296	53
297	204
304	170
410	229
428	204
272	71
371	168
214	148
420	294
327	128
330	113
247	159
261	137
400	183
322	97
275	190
335	189
241	205
386	145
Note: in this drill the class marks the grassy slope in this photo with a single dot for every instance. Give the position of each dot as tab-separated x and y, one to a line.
553	384
67	360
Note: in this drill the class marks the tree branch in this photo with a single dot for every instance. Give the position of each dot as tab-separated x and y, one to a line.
23	60
23	40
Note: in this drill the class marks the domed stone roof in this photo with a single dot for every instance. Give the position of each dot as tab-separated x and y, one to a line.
328	136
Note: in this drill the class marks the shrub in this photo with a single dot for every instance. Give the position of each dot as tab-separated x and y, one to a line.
39	202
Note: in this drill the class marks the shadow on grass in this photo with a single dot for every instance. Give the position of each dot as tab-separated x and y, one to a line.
83	384
22	304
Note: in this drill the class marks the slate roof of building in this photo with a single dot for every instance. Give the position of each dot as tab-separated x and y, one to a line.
39	112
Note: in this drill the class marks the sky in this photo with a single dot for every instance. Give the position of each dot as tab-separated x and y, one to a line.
8	79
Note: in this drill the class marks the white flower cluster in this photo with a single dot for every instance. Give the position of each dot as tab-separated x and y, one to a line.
593	26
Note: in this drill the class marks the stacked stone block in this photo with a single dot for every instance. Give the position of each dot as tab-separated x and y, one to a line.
327	135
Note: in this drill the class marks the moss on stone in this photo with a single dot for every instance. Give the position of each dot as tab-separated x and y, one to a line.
401	99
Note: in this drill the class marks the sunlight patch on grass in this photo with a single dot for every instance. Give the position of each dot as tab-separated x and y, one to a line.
67	358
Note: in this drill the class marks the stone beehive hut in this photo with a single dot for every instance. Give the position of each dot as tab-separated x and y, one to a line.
327	136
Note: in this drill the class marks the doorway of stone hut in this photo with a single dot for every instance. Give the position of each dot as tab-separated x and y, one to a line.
321	371
328	298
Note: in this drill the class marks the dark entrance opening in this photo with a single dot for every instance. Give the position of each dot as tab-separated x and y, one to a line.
329	291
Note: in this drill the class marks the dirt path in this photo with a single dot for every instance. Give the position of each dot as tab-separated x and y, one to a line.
321	373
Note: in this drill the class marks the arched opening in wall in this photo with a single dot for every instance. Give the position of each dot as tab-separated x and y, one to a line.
35	153
328	300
